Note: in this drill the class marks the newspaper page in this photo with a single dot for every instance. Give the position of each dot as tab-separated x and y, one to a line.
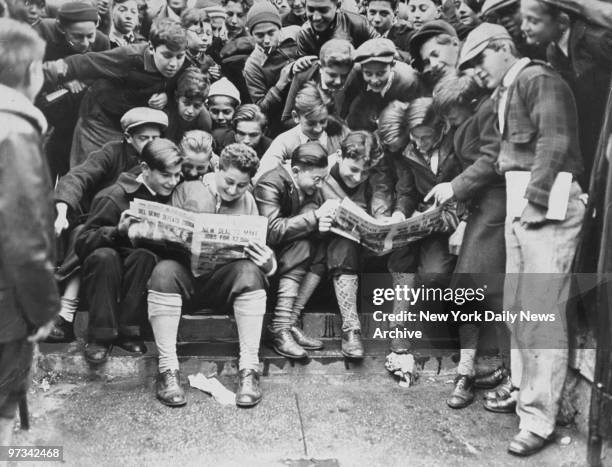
209	240
380	238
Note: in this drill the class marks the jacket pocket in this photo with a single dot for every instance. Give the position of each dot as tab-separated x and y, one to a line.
522	136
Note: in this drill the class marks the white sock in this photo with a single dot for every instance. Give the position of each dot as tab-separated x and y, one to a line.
69	308
468	341
165	316
249	310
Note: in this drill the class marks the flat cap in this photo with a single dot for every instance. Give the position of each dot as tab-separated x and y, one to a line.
429	30
491	6
478	39
141	116
376	50
77	11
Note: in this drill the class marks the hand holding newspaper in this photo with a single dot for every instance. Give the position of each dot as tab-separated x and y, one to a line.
210	240
381	237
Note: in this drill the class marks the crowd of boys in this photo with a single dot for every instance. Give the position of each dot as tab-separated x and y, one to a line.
283	109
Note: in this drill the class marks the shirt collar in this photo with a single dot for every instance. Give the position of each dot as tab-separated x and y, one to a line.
121	39
304	139
140	179
514	71
384	90
563	42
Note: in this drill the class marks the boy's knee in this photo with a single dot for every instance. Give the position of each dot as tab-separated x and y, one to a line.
169	277
250	276
102	257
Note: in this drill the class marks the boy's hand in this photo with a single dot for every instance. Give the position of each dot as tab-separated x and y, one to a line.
158	101
215	72
327	209
42	332
303	63
325	224
61	221
127	218
262	255
441	193
55	69
533	216
285	77
75	86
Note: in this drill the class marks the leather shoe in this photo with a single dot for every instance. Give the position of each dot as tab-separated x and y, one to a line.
490	380
62	331
352	347
284	344
463	394
168	388
97	352
249	392
501	391
526	443
503	405
132	344
307	342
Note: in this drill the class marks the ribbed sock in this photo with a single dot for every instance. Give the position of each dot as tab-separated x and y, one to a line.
249	310
69	306
468	340
283	311
165	316
307	287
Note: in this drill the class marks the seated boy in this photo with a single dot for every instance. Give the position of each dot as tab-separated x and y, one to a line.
115	274
290	197
130	76
249	124
239	286
310	115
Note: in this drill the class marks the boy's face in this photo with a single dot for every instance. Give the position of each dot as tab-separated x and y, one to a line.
162	182
232	183
221	110
421	11
266	35
465	14
456	115
508	17
235	18
312	126
491	66
125	16
282	6
439	59
380	15
200	36
423	137
376	74
80	36
33	10
195	164
309	180
177	5
334	77
138	137
321	13
248	133
189	109
218	26
538	26
352	171
298	7
168	62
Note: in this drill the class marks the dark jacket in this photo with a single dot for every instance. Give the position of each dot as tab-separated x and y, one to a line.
278	199
28	293
400	34
100	170
100	230
233	57
334	188
350	26
290	19
587	70
541	130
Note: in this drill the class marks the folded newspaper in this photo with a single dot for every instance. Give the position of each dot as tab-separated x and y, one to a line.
380	237
211	240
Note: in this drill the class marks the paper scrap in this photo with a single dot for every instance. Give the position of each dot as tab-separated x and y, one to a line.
213	387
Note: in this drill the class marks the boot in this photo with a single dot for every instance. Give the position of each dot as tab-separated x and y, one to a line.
249	392
62	331
284	344
463	394
307	342
168	388
352	347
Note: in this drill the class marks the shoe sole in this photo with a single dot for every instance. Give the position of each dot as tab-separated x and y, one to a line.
99	362
247	405
490	409
169	404
462	406
286	355
308	347
531	451
352	357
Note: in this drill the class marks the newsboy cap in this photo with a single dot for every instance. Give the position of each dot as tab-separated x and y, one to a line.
491	6
75	12
478	39
376	50
141	116
429	30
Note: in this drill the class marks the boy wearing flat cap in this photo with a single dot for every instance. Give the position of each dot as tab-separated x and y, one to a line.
73	32
538	124
382	80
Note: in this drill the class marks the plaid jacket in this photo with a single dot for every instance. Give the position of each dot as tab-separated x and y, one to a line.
541	130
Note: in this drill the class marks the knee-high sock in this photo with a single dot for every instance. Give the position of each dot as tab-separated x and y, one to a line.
249	310
307	287
70	299
165	316
346	286
288	288
468	341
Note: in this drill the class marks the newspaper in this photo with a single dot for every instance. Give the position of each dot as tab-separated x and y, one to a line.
210	240
379	237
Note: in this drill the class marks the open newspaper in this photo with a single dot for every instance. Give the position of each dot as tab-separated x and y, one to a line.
210	240
379	237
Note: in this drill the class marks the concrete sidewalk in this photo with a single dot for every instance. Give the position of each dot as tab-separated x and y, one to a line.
346	421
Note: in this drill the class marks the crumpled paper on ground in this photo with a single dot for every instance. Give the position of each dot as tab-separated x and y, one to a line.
402	365
213	387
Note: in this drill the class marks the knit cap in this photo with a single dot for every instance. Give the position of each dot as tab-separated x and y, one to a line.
263	12
224	87
75	12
